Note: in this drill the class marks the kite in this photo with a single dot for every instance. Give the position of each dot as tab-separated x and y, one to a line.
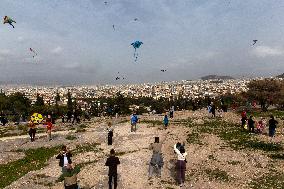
9	21
105	2
117	78
163	70
36	118
136	45
135	19
254	42
113	27
35	54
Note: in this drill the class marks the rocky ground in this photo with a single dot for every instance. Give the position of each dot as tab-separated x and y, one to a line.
212	163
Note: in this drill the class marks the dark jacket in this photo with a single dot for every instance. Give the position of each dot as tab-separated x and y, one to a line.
272	123
61	158
112	163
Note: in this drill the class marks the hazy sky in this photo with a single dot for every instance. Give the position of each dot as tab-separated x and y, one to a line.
76	42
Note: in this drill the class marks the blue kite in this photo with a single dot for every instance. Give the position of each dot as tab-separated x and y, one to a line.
136	45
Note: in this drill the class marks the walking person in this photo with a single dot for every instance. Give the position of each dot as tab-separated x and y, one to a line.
32	130
49	127
181	164
109	134
133	120
112	162
166	121
70	177
251	123
64	158
156	162
272	126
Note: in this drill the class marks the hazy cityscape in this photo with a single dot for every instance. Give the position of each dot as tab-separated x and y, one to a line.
184	88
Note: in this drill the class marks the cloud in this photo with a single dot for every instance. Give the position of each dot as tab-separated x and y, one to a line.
57	50
5	52
265	51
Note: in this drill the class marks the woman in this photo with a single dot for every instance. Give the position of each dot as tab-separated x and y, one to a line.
181	164
32	130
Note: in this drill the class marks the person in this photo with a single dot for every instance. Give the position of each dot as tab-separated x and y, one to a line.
272	126
171	113
112	162
110	134
244	114
9	21
69	116
244	121
213	109
260	126
49	127
70	177
64	158
32	130
181	164
166	121
156	161
251	124
62	118
134	120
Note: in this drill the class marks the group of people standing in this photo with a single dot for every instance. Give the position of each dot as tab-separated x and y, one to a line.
258	127
33	128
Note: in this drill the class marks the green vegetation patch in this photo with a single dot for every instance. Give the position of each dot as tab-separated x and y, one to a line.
88	147
236	137
71	137
217	174
34	159
271	180
194	138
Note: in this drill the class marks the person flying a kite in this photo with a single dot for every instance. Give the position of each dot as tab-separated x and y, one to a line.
9	21
136	45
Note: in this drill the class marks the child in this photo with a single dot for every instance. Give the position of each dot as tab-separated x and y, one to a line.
112	163
260	126
166	121
9	21
49	127
134	120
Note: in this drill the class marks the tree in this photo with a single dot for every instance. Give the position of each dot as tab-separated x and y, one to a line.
266	92
39	100
69	102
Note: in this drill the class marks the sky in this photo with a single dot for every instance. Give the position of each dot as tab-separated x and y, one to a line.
76	42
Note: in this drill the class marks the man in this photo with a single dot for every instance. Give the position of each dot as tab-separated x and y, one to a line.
112	163
272	126
156	161
134	120
64	158
109	134
251	123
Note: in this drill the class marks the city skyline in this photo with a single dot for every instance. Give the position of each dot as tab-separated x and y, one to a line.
77	43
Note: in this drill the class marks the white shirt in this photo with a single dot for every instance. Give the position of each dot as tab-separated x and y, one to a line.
180	155
65	160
